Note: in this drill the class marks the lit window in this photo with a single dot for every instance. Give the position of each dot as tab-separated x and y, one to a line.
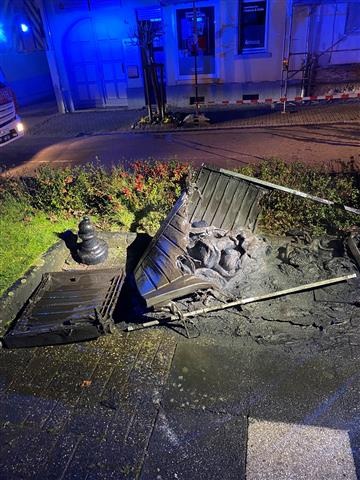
252	26
353	18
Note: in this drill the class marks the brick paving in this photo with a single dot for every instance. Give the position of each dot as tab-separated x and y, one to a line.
296	115
82	410
85	123
92	122
150	405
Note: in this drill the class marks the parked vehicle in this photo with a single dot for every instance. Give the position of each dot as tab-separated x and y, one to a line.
11	127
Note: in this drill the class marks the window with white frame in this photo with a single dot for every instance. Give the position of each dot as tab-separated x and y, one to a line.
252	26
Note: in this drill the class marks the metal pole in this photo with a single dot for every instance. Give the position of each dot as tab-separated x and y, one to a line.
286	51
305	81
195	49
273	186
244	301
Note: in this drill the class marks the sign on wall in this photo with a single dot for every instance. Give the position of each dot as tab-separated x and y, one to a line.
252	25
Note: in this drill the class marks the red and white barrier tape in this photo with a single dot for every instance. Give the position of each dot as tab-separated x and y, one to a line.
340	96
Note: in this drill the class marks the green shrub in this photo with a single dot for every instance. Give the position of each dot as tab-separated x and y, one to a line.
34	209
151	222
140	197
283	211
117	197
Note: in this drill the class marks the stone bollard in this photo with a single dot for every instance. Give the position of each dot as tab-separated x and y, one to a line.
91	250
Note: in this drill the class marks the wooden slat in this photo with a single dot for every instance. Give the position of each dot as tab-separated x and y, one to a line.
226	200
206	195
196	196
180	223
235	205
254	211
154	273
143	282
167	265
173	235
246	204
215	200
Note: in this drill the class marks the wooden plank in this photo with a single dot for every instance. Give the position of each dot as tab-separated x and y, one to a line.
206	195
240	221
154	273
225	203
235	205
201	182
167	265
215	200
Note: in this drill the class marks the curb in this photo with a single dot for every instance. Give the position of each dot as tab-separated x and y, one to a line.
229	127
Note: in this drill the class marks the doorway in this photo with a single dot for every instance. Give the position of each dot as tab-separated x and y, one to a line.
95	64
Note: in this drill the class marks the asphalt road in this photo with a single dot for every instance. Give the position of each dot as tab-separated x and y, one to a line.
323	144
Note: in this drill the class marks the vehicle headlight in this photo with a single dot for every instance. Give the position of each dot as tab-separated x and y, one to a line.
20	127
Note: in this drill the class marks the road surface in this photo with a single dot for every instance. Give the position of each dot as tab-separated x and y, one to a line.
317	145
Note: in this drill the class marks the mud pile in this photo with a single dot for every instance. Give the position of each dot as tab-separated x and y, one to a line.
220	256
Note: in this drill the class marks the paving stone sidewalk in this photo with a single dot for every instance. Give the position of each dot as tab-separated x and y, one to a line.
147	405
152	405
93	122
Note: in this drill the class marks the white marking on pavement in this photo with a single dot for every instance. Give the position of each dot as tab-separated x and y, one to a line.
279	451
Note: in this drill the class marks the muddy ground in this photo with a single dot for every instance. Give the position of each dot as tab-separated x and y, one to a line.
314	320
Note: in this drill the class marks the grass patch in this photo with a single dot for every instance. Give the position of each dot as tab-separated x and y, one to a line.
25	234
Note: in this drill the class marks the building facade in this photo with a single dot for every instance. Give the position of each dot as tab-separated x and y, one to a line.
238	49
23	60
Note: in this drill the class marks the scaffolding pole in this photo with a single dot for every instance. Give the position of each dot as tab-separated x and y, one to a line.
310	57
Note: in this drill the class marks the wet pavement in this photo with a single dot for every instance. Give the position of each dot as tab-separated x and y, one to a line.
314	134
327	145
151	405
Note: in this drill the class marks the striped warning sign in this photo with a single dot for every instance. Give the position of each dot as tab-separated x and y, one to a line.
340	96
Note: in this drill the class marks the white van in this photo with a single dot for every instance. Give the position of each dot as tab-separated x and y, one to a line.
11	126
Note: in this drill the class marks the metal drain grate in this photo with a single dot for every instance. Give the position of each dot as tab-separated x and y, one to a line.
67	307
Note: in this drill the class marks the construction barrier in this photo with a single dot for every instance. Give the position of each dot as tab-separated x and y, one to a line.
340	96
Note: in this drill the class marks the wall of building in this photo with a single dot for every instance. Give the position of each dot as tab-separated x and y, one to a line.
112	21
25	68
235	75
28	76
333	33
326	31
